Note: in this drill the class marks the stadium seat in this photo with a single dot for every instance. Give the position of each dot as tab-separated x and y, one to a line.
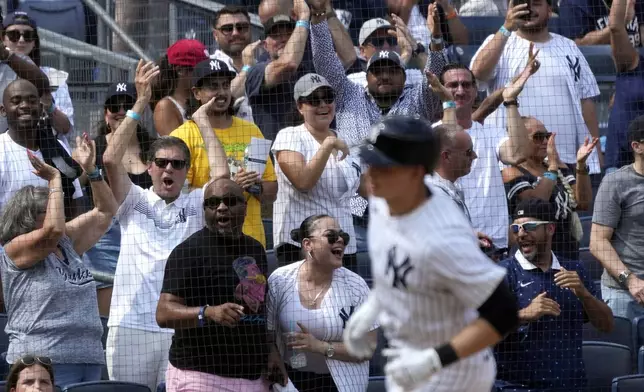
268	232
604	361
622	333
106	386
3	384
638	331
586	223
632	383
66	17
4	338
640	360
591	264
376	384
271	261
4	366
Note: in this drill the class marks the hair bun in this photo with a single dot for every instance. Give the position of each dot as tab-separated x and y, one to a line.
295	235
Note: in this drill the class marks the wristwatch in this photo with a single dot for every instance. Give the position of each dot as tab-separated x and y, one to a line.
330	351
419	49
437	41
623	277
95	176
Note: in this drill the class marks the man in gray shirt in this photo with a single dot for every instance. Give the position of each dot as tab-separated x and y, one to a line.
617	235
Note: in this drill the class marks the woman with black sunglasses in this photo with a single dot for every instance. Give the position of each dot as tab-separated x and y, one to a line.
309	303
315	173
31	373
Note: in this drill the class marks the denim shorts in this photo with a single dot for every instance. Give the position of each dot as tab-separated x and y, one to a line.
101	259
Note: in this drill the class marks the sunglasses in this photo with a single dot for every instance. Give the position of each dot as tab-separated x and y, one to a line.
228	29
468	153
379	42
527	226
326	97
333	235
27	35
29	360
464	84
539	137
177	164
213	202
115	107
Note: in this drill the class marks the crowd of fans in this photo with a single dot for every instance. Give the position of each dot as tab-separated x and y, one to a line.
176	230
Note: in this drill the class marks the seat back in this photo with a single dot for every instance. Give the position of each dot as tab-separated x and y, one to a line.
640	361
591	264
632	383
622	333
268	233
376	384
638	331
106	386
66	17
604	361
4	338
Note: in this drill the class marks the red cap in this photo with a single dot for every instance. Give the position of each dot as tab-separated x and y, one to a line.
187	52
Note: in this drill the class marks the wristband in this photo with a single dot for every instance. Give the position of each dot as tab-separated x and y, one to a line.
514	102
95	176
506	33
54	190
303	23
550	175
202	315
133	115
246	68
446	354
582	170
52	108
449	105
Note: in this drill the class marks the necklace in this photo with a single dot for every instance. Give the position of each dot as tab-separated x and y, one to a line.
312	300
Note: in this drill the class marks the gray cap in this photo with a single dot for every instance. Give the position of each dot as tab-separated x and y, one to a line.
370	26
386	55
309	83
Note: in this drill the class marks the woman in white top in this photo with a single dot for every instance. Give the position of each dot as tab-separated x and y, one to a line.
315	174
309	303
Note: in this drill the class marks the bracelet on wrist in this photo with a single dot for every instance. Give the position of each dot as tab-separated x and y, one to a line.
303	23
246	68
52	108
550	175
54	190
513	102
583	170
201	317
449	105
505	32
133	115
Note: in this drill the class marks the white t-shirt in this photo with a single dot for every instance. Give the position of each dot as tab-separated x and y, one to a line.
414	76
338	183
245	112
483	187
430	277
553	95
150	230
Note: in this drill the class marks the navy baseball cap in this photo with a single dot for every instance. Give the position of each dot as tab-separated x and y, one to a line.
121	89
19	18
211	67
402	141
386	55
535	208
278	20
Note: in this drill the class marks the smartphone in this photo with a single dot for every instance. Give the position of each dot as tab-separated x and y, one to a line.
517	2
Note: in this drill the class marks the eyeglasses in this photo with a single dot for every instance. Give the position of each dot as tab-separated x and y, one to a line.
318	98
379	42
464	84
177	164
227	29
468	153
539	137
213	202
28	35
333	235
527	226
29	360
115	107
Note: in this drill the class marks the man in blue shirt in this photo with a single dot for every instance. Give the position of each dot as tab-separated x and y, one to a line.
556	298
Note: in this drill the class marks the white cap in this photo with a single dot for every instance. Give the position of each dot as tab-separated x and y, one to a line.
370	26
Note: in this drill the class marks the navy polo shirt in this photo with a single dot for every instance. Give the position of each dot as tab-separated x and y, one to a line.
545	354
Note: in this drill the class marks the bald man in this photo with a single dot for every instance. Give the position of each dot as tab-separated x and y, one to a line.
214	281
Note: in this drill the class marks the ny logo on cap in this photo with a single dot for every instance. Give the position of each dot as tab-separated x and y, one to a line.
214	66
380	21
520	213
384	54
121	87
315	79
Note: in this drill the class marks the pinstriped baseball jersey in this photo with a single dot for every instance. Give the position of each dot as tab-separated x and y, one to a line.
431	277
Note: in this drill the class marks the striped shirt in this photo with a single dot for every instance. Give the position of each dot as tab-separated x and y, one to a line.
451	189
431	277
356	109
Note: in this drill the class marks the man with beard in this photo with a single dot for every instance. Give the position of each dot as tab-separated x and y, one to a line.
211	86
561	96
220	340
21	107
556	298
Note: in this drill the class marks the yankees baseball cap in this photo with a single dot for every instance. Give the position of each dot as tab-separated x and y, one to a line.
386	55
535	208
19	18
211	67
370	26
278	20
121	89
309	83
187	53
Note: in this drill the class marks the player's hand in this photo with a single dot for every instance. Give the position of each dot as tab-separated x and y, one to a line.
636	288
356	334
570	280
410	367
246	179
227	314
540	306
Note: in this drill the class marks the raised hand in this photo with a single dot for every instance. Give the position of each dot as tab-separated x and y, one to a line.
437	87
41	169
514	89
515	18
552	154
249	53
433	20
301	10
586	149
406	41
145	74
85	153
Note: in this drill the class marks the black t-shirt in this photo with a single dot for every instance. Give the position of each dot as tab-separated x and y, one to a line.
209	269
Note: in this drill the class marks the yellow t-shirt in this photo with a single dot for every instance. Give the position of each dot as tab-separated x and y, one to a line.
234	140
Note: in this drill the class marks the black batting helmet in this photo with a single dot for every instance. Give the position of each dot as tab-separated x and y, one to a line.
402	141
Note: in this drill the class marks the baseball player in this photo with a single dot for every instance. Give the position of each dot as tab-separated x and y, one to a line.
441	302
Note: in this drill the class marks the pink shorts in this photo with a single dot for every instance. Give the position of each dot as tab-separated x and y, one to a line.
178	380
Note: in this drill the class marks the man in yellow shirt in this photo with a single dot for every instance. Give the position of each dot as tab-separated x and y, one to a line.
211	79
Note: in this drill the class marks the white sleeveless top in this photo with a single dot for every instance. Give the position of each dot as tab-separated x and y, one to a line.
179	107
